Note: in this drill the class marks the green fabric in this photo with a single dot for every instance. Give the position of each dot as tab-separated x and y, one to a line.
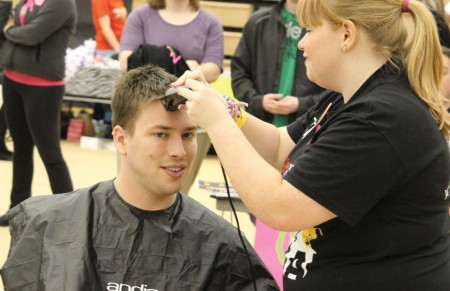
293	30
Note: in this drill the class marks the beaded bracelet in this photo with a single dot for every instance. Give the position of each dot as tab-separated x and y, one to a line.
236	110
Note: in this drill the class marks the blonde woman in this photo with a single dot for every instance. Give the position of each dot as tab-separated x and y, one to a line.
362	178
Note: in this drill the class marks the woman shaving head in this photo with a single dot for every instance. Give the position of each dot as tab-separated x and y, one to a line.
367	167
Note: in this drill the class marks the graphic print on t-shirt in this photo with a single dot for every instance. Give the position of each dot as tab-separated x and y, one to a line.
300	251
446	195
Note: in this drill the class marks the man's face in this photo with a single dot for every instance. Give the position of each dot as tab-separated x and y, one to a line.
445	85
160	151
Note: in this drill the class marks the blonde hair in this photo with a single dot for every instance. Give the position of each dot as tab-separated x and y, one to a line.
161	4
437	5
385	25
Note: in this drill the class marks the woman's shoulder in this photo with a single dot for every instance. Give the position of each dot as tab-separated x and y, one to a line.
204	15
143	16
144	11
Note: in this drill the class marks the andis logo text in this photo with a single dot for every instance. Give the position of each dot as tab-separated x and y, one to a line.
125	287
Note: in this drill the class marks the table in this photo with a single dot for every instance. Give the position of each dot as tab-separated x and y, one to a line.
223	204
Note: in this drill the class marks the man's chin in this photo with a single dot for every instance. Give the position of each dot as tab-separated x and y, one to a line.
174	189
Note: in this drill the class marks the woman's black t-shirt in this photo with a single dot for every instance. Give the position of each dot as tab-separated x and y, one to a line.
380	163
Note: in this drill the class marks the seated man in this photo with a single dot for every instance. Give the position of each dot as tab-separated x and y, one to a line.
135	232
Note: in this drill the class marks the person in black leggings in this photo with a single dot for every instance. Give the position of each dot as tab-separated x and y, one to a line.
5	153
36	111
32	58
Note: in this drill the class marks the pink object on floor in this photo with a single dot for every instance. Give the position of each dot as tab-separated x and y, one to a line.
271	245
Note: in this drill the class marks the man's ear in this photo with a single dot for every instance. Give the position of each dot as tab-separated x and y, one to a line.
350	35
119	137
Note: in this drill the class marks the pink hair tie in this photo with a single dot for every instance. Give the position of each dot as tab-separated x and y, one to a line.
405	4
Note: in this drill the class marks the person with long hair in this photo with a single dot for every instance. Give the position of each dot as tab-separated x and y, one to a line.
361	179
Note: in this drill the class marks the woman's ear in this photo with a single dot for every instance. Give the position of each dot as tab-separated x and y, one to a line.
119	138
350	35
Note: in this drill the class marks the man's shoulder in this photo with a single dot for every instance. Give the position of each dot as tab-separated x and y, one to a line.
50	207
198	212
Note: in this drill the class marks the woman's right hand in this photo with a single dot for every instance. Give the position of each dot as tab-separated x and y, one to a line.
194	75
205	105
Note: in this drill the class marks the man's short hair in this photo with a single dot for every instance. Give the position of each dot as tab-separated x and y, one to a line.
136	88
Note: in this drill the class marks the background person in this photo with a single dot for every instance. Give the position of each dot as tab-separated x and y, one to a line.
32	56
437	5
5	153
137	229
436	8
365	174
268	72
180	24
109	18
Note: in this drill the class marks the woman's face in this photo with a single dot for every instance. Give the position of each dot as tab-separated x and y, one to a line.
321	48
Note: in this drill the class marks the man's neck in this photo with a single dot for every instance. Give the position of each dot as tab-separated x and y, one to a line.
135	195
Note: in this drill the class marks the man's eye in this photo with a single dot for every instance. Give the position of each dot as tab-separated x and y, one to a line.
160	134
188	135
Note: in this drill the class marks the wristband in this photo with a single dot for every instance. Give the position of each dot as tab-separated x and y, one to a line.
236	110
240	121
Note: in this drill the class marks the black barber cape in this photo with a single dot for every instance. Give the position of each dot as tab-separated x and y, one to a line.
91	239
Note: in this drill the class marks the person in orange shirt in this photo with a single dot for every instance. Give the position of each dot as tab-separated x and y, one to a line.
109	19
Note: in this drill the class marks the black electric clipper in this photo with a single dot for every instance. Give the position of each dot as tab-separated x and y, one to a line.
171	99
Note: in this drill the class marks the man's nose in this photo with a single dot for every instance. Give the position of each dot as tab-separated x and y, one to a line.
176	147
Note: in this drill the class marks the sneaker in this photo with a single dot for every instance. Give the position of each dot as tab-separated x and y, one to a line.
4	221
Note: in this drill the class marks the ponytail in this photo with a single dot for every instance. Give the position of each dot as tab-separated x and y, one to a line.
424	65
